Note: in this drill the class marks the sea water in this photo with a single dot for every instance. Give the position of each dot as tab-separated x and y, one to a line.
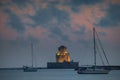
56	74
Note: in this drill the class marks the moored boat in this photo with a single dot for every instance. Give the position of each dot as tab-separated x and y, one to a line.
94	69
32	68
91	70
29	69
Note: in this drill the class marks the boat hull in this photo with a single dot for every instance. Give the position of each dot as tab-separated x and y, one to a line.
29	69
93	71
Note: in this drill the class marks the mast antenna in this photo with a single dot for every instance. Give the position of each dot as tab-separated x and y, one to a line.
32	53
94	46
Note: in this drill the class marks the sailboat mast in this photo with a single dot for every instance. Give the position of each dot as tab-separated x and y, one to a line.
32	53
94	46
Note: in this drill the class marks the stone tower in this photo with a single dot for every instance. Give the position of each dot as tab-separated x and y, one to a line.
62	55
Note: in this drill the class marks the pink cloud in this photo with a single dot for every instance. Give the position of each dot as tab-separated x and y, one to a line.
5	1
115	1
27	20
5	31
28	10
40	4
16	10
110	35
21	13
88	16
64	7
37	32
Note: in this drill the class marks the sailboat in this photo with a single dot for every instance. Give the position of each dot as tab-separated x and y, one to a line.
94	69
32	68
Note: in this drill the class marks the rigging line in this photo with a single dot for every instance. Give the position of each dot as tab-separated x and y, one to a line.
100	54
102	48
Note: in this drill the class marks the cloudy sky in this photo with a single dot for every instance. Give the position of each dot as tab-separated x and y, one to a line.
51	23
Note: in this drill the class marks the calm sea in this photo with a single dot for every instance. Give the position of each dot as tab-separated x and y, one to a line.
56	74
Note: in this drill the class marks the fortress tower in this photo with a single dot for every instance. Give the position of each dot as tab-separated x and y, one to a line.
62	55
63	60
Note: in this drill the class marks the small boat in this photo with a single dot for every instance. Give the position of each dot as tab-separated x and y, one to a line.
94	69
29	69
32	68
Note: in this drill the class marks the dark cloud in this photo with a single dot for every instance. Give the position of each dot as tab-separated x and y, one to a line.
112	18
21	3
44	16
54	2
14	21
75	4
58	33
86	2
1	4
